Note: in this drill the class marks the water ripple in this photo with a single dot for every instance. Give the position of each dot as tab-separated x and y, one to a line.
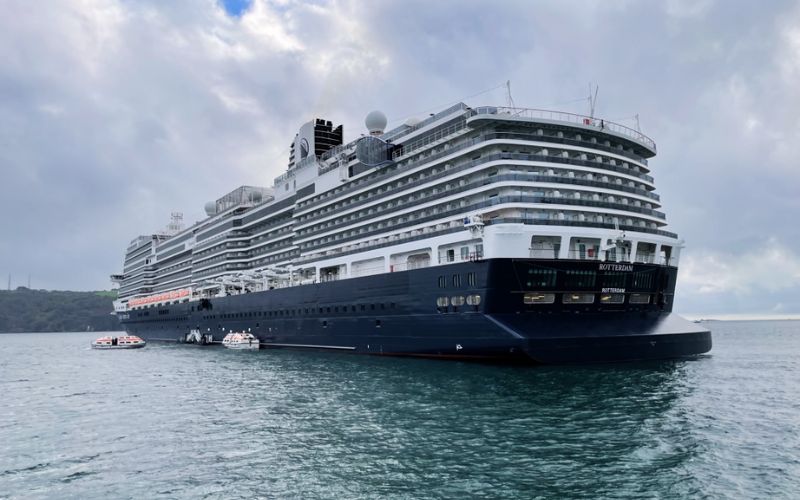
179	422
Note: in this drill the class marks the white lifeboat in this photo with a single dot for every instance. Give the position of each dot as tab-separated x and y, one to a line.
122	342
241	340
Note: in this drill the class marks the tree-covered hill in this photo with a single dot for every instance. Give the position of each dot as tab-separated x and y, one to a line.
24	310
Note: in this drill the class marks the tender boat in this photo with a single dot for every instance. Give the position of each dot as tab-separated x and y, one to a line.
123	342
241	340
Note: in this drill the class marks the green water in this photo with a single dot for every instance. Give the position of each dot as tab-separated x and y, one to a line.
172	421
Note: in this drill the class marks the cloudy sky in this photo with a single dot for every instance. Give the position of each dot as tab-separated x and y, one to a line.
114	113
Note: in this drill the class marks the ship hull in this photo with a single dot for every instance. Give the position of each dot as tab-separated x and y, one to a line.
402	314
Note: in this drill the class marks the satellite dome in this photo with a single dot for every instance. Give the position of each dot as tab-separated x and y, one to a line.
375	122
211	208
413	121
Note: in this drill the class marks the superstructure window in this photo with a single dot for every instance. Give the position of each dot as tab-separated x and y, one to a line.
539	298
612	298
614	279
577	278
541	278
640	298
642	279
578	298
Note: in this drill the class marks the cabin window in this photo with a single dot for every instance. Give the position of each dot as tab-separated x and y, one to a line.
456	280
442	282
471	279
474	300
640	298
457	300
442	302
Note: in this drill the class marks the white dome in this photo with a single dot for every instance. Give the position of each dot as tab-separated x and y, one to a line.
211	208
413	121
375	122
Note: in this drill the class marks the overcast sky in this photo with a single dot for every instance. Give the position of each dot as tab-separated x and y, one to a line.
114	113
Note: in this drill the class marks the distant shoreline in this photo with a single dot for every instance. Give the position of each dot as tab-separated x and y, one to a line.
743	317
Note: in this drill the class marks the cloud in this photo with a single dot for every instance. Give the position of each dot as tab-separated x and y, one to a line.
115	113
771	267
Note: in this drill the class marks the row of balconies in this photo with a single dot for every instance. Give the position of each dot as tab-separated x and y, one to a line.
469	183
465	207
439	171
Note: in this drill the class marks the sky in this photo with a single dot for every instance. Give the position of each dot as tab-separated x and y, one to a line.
115	113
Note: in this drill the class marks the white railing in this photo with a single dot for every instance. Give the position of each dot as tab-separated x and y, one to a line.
561	116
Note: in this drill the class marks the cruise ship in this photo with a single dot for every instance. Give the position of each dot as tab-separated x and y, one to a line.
487	233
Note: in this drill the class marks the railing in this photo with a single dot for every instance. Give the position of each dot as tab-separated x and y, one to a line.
458	257
459	211
541	199
494	156
561	116
437	136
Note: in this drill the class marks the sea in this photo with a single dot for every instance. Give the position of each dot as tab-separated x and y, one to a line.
181	421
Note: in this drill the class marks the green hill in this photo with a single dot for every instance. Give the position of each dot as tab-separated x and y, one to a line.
24	310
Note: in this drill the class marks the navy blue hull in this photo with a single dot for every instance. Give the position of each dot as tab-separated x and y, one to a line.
398	314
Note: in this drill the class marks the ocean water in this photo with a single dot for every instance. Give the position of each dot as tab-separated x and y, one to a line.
177	421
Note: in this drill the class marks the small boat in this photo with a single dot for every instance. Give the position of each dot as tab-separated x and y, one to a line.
123	342
241	340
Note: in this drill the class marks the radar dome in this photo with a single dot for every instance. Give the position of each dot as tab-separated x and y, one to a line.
375	122
413	122
211	208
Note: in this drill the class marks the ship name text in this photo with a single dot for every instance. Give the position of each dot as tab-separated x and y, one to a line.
616	267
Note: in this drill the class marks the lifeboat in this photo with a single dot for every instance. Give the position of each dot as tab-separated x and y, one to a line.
123	342
240	341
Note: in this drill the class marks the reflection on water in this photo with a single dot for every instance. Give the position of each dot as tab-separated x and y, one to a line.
189	422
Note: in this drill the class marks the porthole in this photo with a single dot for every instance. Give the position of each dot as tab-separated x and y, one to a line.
457	300
474	300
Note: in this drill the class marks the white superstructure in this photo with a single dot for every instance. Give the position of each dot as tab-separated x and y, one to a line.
464	184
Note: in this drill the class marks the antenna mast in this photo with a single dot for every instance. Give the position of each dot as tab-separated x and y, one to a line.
592	99
509	99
